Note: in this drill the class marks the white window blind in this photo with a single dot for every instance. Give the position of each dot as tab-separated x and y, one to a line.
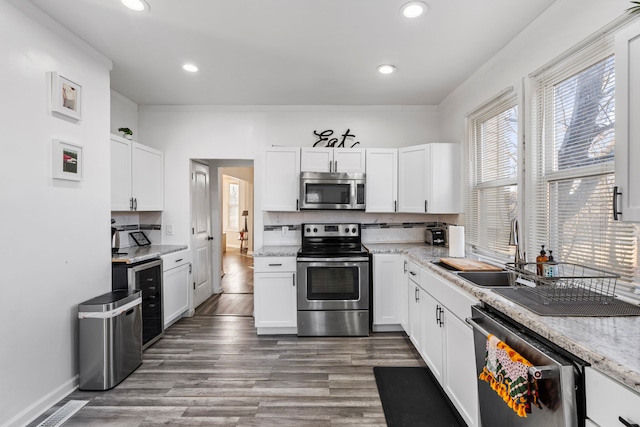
570	158
492	172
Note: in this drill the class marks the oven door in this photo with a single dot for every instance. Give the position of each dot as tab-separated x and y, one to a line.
333	283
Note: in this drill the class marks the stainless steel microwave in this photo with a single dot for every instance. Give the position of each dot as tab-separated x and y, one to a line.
328	191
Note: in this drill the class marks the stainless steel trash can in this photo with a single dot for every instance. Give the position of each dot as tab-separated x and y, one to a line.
110	338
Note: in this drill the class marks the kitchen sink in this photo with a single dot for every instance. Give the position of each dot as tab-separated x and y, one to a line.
489	279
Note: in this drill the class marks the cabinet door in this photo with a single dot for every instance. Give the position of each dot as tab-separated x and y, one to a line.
386	289
349	160
404	296
176	293
443	178
147	178
382	180
627	124
608	400
120	174
275	300
412	195
281	184
460	381
432	333
317	160
415	317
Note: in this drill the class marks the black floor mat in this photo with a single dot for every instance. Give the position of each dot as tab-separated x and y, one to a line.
411	396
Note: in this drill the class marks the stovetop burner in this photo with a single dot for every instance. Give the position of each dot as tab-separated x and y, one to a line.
331	240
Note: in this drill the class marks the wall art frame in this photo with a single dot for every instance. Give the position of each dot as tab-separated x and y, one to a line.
67	160
66	97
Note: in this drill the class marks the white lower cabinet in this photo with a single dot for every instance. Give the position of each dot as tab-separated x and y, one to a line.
609	401
175	285
386	292
447	342
275	295
415	310
404	294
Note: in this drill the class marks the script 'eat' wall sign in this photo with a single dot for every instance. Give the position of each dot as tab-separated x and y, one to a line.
325	141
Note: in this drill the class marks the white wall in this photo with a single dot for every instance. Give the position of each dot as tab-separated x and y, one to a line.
563	25
56	234
124	114
211	132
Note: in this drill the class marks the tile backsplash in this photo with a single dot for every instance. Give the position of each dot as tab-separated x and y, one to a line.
147	222
283	228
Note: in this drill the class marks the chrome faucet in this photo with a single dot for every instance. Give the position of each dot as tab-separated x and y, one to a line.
514	240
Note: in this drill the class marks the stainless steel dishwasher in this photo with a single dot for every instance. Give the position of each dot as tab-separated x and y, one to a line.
559	375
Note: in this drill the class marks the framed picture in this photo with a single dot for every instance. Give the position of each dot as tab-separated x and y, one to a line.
140	238
66	97
67	160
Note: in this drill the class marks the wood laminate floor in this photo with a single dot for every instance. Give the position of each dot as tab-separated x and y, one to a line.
215	370
236	298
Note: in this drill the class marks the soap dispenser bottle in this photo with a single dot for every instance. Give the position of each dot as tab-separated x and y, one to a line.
551	269
540	259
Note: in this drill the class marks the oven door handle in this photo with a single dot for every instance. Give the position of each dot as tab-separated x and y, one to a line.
537	372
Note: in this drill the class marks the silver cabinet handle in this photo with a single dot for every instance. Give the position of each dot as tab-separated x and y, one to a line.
335	166
275	265
616	212
178	260
330	165
131	203
294	280
405	266
412	273
135	203
426	205
395	206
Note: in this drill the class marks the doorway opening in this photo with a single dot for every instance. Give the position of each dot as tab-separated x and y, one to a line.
232	253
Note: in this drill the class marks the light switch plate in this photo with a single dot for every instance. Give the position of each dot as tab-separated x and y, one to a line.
285	230
169	229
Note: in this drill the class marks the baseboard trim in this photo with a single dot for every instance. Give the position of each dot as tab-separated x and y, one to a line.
387	328
277	331
39	407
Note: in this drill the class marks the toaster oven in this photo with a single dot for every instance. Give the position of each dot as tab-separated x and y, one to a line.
435	236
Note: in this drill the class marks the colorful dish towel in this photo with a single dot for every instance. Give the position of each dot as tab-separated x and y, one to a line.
508	374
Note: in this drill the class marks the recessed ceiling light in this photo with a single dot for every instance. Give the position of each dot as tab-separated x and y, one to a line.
413	9
386	69
137	5
190	68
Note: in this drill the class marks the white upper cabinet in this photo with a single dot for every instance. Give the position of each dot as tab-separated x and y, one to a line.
137	176
281	183
327	159
382	180
429	179
627	123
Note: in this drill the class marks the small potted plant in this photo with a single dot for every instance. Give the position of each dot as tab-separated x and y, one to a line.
126	132
635	9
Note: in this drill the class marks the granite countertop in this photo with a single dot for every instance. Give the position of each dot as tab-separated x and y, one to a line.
277	250
609	344
134	254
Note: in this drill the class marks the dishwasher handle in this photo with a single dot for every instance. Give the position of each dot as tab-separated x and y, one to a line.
537	372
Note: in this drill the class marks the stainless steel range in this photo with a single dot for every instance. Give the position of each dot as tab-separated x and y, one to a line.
333	281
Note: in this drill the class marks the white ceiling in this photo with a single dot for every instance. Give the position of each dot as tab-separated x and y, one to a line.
293	52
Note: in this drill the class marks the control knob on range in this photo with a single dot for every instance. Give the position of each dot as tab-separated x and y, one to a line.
346	230
353	230
308	230
315	230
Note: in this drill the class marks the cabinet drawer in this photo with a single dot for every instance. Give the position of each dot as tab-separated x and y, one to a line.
607	400
175	259
274	264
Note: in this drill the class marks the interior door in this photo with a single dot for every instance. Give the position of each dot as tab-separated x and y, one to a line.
201	233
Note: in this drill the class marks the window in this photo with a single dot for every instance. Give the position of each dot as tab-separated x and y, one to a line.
571	171
492	172
233	206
